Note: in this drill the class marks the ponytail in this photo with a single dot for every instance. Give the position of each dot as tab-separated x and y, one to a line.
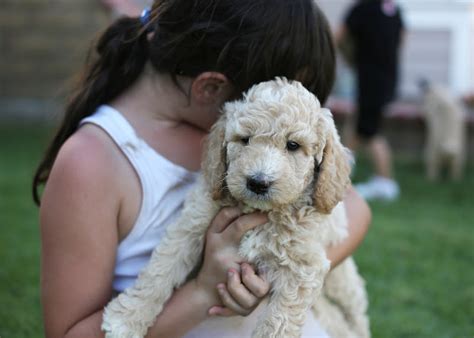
121	56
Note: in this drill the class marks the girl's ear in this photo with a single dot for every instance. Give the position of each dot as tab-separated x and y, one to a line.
211	88
332	176
214	164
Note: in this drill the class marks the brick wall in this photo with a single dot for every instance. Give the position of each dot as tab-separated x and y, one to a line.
42	44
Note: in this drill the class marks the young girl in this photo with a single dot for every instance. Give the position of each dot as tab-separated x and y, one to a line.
129	148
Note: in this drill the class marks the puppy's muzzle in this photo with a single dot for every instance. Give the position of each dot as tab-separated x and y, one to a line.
258	184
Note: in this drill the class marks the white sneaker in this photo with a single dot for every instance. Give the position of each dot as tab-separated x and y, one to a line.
380	188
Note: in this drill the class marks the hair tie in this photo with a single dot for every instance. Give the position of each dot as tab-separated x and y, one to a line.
145	19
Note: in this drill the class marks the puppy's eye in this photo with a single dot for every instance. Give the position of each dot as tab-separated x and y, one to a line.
245	140
292	146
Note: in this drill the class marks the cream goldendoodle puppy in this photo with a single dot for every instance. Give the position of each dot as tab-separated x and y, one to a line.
275	150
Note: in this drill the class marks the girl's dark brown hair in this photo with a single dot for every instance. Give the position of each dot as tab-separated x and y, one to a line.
249	41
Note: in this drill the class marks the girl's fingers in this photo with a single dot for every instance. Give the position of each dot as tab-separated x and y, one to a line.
241	295
244	223
229	302
239	292
223	218
258	286
221	311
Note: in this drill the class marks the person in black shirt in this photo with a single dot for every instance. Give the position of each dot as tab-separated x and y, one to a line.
374	29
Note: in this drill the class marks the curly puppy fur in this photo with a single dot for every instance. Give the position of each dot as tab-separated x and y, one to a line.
446	133
251	162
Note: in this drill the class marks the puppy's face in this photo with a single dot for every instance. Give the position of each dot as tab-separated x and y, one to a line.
273	147
273	144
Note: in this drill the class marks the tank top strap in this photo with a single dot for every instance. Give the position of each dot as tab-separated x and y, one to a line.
141	157
117	126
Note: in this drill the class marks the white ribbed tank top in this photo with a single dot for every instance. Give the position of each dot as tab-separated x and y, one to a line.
164	187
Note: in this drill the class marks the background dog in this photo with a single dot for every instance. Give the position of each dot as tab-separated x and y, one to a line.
446	132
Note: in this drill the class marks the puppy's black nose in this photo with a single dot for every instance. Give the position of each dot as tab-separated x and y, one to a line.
258	184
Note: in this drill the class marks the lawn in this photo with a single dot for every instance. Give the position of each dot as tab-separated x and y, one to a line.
418	258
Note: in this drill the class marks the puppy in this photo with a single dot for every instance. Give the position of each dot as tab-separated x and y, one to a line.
446	132
275	150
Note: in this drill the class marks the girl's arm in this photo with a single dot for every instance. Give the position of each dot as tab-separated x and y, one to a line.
359	217
192	304
78	218
79	232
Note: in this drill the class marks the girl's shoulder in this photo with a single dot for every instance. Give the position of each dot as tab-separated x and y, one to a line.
88	164
89	152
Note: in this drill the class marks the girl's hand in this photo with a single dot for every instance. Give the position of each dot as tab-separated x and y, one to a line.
222	265
242	293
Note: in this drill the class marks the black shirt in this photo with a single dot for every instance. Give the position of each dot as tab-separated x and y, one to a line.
376	35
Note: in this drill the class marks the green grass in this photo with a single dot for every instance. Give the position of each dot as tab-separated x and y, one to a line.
20	149
417	259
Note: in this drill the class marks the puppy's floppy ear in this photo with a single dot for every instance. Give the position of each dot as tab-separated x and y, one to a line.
332	177
214	164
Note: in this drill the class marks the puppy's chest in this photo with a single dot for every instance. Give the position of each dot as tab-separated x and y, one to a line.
282	238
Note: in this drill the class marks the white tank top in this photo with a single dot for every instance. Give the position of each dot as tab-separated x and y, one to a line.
164	187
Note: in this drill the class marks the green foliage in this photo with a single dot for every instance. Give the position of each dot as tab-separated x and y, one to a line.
417	258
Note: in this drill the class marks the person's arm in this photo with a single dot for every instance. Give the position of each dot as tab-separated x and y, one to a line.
78	218
359	218
79	235
199	299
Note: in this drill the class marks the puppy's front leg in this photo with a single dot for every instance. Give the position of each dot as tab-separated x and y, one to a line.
134	311
294	289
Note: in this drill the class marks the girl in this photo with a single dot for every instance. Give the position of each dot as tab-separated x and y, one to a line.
128	150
